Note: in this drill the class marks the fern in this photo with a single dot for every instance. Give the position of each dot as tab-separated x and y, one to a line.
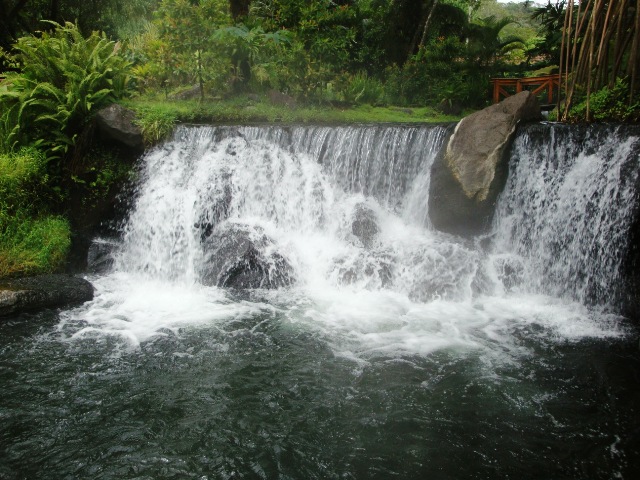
64	78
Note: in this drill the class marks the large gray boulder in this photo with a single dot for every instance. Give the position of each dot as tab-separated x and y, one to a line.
117	123
467	178
240	256
42	291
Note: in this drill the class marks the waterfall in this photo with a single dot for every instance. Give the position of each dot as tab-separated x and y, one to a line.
307	191
562	224
330	225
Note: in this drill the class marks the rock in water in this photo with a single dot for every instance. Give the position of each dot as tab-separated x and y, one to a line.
466	180
239	256
101	255
364	225
42	291
117	123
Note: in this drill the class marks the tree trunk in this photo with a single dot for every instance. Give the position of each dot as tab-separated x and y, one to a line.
566	33
426	24
593	20
239	9
54	10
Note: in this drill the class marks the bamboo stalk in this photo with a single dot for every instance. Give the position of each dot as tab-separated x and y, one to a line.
593	20
566	26
602	49
633	58
569	23
575	57
617	57
605	56
427	22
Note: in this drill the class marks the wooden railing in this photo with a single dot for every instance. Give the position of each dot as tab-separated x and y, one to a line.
503	87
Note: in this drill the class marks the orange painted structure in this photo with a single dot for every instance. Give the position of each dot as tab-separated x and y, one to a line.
503	87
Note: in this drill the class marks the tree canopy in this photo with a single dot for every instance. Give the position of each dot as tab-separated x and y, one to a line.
406	52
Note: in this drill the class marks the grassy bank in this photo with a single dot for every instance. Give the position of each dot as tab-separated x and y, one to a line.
31	239
157	116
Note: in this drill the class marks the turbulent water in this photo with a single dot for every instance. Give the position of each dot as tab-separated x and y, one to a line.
392	351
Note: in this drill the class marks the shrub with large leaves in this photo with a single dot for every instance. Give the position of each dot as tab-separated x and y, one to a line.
64	78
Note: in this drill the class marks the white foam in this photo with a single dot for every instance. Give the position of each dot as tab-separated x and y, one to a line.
136	309
412	291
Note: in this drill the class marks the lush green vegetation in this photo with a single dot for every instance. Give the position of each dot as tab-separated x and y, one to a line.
31	240
600	59
408	53
325	52
64	77
321	61
157	117
45	110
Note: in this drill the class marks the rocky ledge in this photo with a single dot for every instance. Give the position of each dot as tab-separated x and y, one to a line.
42	291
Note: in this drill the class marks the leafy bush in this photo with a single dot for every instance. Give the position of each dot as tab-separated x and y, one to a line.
30	241
156	122
30	246
22	176
102	174
64	78
179	48
608	104
361	88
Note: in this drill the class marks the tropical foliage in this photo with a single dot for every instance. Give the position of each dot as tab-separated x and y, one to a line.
63	79
600	52
31	241
45	107
353	51
237	59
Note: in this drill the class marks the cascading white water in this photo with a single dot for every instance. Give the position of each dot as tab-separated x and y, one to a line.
562	224
338	217
302	187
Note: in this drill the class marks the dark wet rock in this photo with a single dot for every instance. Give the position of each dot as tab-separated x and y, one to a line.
467	179
117	124
42	291
507	270
218	204
239	256
510	271
365	225
101	255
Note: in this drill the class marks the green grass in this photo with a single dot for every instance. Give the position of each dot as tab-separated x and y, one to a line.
33	245
157	116
30	240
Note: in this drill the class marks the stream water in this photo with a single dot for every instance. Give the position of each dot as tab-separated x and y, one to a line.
399	353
